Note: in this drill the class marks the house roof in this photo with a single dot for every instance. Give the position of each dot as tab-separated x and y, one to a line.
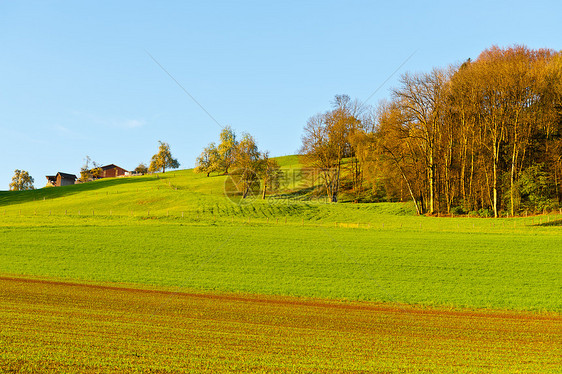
67	176
110	166
51	177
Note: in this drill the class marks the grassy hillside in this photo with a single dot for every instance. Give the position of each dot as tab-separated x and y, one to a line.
197	198
179	229
196	195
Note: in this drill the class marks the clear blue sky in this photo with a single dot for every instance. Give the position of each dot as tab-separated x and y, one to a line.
76	79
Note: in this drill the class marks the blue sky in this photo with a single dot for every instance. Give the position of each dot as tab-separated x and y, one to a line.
76	79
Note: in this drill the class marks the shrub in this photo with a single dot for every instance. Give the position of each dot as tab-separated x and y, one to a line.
458	210
538	190
485	213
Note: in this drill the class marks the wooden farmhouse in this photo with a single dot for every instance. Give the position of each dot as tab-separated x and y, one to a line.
61	179
111	171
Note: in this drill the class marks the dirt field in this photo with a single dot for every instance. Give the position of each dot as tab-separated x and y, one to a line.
51	326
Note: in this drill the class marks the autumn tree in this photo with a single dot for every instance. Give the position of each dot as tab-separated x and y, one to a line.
509	108
208	161
463	115
218	157
420	99
549	86
90	170
227	148
269	171
358	139
21	181
394	148
326	142
247	161
141	169
163	159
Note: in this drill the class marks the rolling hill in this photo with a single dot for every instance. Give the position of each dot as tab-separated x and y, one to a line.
179	229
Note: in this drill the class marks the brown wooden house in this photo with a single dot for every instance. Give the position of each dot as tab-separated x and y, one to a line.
111	171
61	179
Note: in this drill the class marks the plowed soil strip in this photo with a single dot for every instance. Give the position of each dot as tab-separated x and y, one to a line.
48	326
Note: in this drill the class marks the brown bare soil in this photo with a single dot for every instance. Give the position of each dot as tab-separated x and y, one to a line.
52	326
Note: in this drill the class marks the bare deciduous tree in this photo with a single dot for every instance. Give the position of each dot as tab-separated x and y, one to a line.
326	142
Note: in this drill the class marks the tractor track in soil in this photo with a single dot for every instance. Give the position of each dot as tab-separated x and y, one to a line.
294	301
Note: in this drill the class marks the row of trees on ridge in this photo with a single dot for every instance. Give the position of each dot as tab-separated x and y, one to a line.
250	170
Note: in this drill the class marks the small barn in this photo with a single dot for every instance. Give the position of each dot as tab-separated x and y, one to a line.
111	171
61	179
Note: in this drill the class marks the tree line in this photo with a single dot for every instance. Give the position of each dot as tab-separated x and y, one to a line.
483	136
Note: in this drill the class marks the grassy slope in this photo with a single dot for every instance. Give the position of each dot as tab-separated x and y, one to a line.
196	195
392	256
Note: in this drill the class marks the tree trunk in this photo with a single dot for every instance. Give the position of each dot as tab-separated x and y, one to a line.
334	185
431	171
464	156
449	191
556	183
471	180
495	183
514	164
512	180
496	146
